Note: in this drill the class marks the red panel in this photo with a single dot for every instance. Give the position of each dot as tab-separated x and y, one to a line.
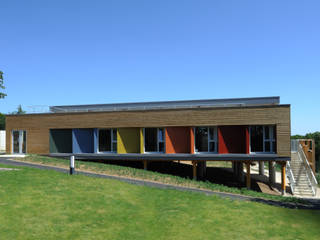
232	139
178	140
247	140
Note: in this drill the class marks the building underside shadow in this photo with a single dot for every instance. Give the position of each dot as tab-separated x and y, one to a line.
216	175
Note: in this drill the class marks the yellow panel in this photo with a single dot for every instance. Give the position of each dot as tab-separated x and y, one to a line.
141	141
128	140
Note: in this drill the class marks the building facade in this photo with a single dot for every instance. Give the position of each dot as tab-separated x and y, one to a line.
224	126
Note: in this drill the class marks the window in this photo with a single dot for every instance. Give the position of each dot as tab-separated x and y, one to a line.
107	140
206	139
19	140
269	139
154	140
262	139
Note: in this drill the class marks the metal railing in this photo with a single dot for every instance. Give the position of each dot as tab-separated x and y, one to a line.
291	177
294	145
311	177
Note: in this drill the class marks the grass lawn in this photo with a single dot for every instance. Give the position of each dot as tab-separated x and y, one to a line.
224	164
41	204
149	175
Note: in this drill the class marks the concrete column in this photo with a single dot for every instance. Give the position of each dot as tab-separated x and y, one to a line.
239	171
234	167
145	165
272	173
248	182
202	170
261	168
194	168
71	165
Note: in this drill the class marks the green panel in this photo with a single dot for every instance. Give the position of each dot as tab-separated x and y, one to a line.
128	140
60	141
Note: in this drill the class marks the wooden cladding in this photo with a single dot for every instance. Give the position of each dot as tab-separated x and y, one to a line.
38	125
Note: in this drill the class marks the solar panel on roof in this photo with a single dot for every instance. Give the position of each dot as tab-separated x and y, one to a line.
207	103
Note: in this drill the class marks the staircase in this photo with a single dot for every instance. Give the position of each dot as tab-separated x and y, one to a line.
302	183
302	180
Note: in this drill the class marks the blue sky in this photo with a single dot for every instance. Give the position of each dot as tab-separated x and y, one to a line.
86	52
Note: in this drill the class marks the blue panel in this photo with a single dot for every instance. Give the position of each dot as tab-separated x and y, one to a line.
82	140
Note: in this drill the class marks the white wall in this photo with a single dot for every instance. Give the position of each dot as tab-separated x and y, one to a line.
2	141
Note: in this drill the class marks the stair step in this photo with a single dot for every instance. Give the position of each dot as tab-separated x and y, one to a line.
303	188
303	192
303	195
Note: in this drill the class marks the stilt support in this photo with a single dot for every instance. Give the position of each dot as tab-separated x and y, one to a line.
145	165
283	178
248	175
202	170
234	168
194	165
272	174
261	168
240	172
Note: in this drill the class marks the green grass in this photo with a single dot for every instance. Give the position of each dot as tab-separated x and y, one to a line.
222	164
151	176
41	204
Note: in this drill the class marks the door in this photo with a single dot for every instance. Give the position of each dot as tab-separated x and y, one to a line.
19	141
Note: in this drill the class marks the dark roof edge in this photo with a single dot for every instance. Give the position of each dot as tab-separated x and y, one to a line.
277	98
231	102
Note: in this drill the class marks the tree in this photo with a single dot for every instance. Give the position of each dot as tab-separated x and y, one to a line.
19	110
2	95
2	121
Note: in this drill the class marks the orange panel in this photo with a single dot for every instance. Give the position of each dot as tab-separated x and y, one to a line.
192	140
178	140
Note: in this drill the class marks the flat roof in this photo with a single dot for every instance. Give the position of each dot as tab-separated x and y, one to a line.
135	106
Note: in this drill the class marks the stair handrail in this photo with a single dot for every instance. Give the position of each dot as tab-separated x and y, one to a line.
294	145
309	171
291	177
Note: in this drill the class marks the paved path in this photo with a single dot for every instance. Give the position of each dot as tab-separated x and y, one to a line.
312	204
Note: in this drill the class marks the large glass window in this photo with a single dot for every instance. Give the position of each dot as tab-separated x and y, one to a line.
206	139
256	138
154	140
15	135
107	140
262	139
19	141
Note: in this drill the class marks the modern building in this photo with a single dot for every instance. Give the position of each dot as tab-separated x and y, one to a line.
241	130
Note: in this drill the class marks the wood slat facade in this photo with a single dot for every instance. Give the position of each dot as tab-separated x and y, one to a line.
38	125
